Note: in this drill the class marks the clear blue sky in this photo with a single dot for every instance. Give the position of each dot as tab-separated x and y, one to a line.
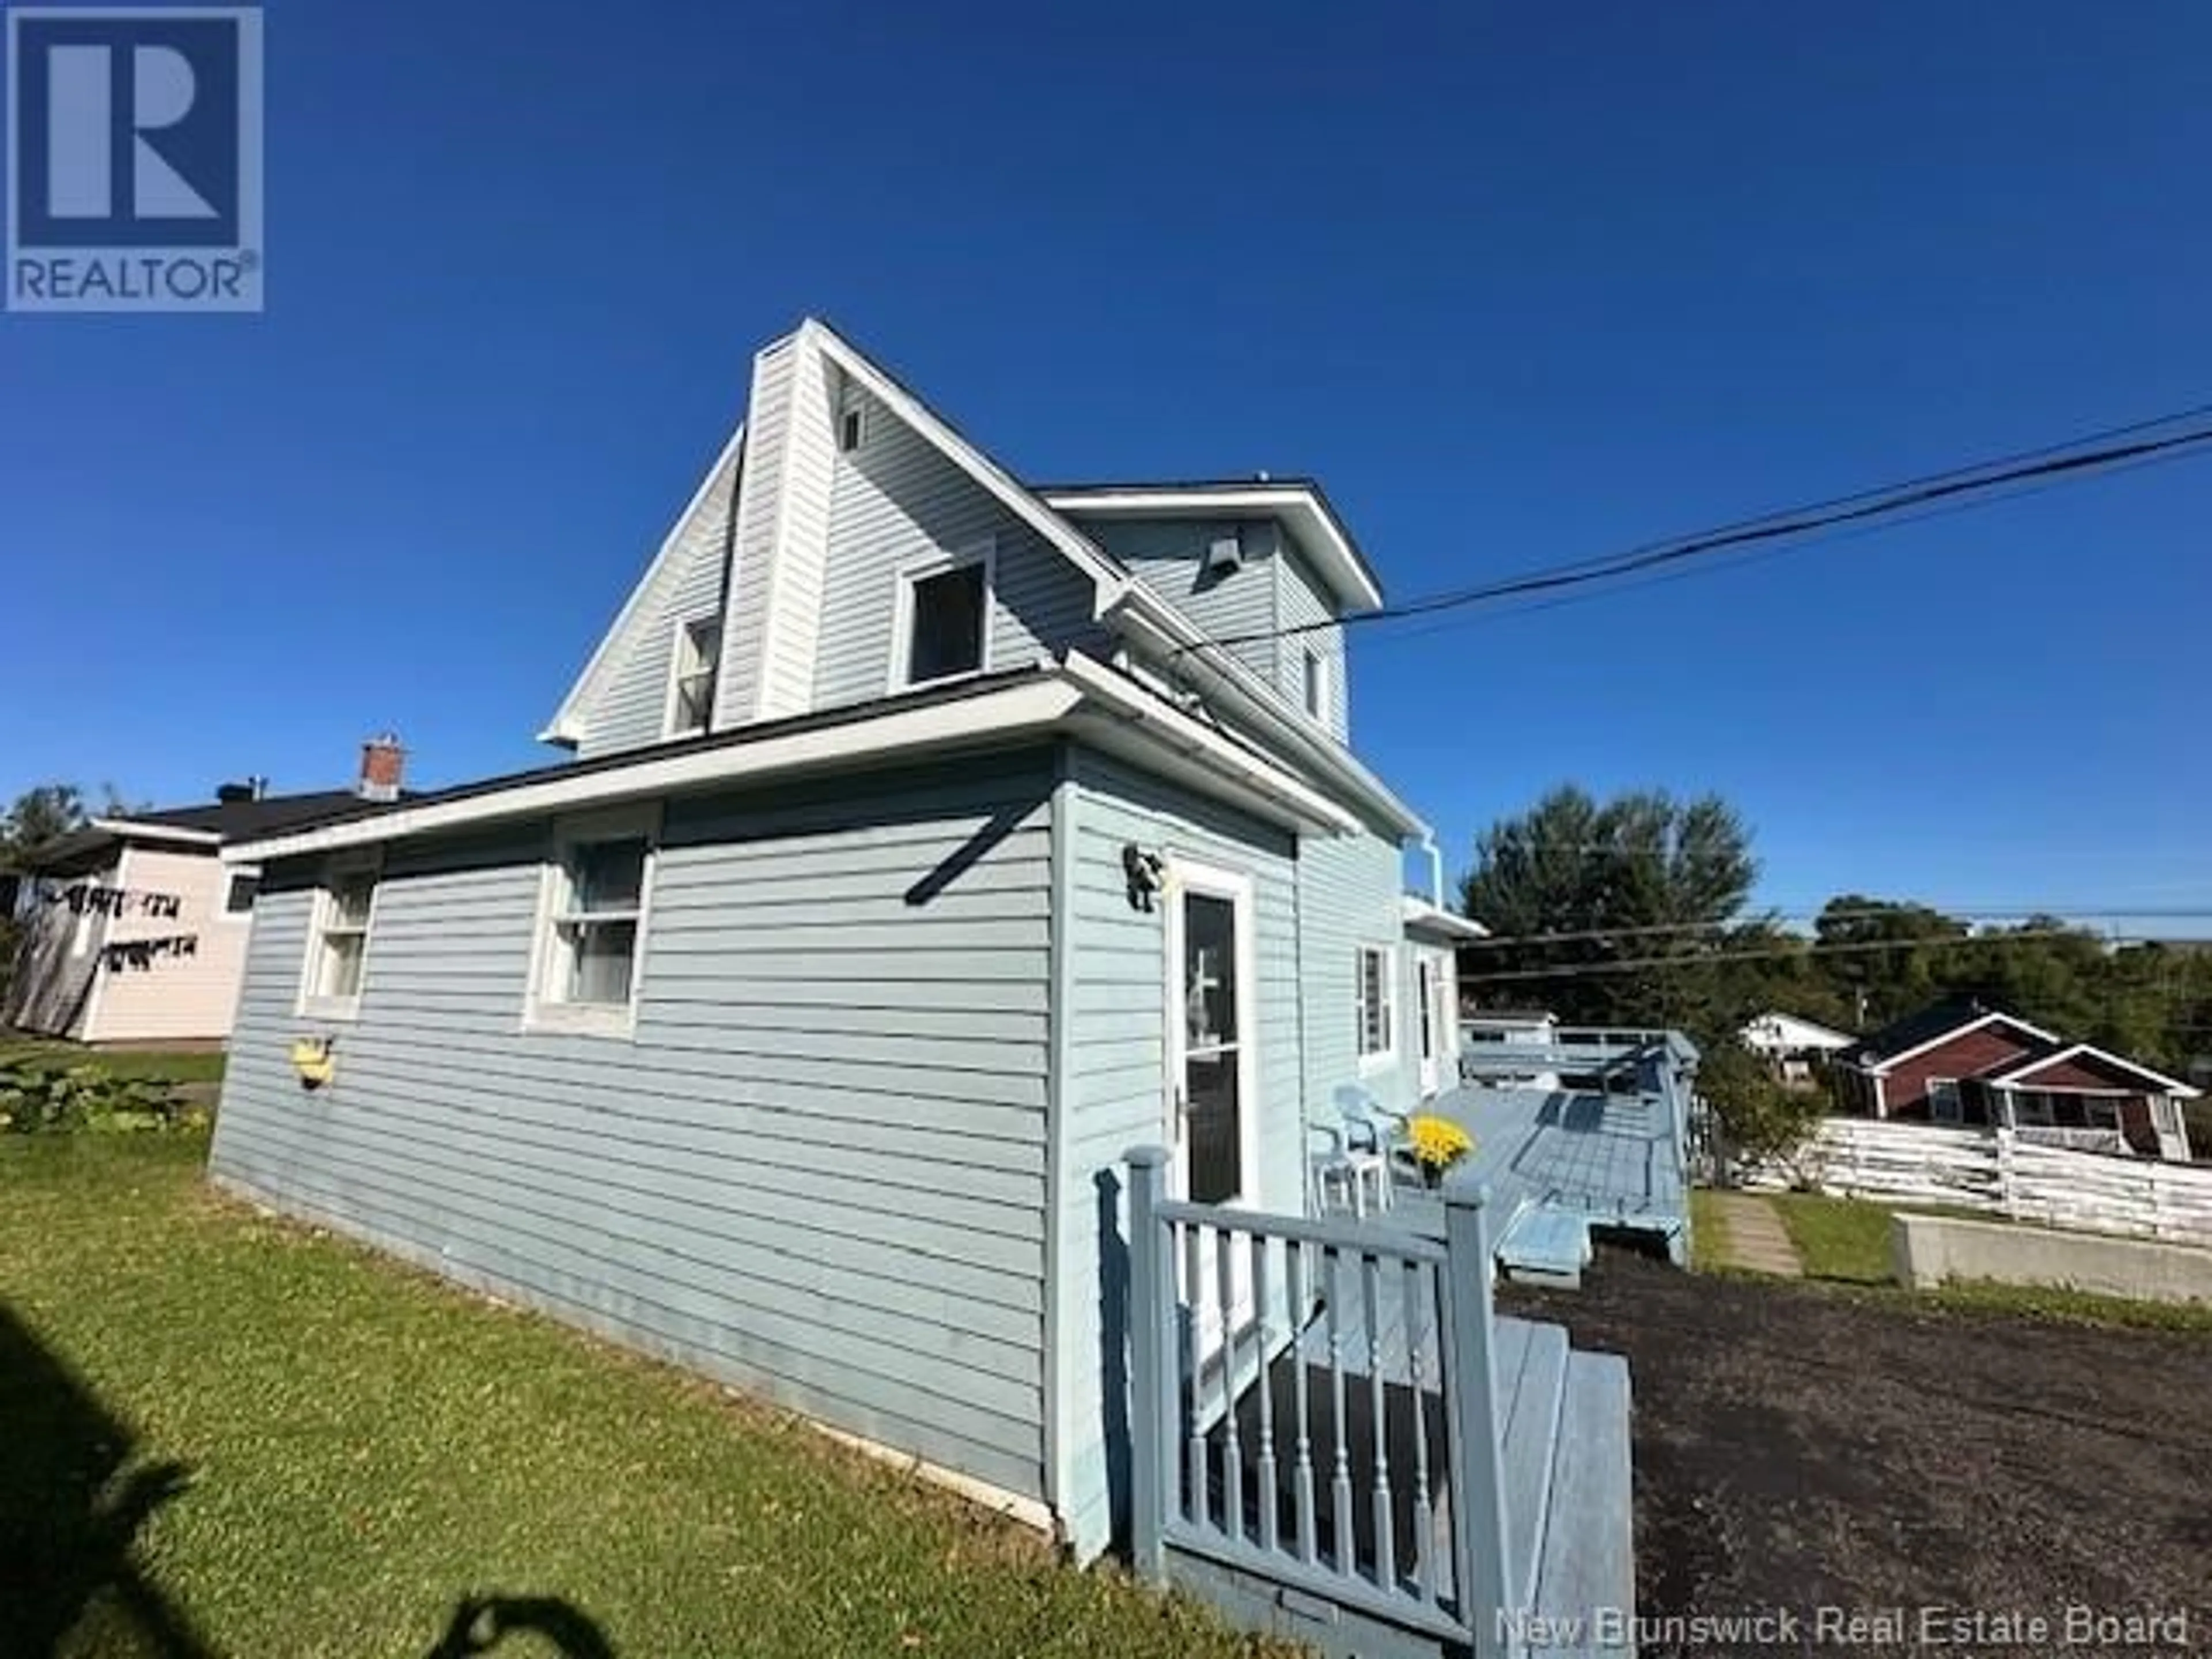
1519	284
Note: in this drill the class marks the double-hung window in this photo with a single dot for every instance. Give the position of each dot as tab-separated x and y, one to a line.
691	690
1377	1021
943	618
338	943
593	932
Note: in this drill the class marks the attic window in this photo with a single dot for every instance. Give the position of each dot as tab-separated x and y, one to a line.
852	428
943	609
691	694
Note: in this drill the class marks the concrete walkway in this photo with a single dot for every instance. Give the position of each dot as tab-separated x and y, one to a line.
1753	1236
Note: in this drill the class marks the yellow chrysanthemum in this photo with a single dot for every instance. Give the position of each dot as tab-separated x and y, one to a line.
1438	1142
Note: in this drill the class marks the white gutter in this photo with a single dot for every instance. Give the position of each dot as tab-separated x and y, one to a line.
139	831
1130	702
1157	625
1419	913
1079	697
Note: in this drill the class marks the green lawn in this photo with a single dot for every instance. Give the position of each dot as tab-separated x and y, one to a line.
1846	1241
263	1441
1709	1234
176	1067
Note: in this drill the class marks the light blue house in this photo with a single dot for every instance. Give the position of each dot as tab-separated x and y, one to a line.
930	840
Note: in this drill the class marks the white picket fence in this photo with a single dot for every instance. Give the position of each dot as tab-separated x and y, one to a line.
2002	1174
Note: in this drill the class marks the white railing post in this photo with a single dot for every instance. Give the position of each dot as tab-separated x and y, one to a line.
1478	1496
1151	1307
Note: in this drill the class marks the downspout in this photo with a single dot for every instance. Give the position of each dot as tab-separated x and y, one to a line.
1435	868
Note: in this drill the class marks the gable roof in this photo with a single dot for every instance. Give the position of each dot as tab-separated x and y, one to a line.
1299	502
2019	1071
208	827
1932	1026
565	727
1109	578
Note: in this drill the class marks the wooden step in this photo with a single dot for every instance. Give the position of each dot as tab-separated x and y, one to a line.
1545	1246
1588	1561
1530	1437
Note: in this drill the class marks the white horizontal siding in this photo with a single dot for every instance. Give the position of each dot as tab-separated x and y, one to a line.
1113	1093
1168	557
897	499
1301	602
629	708
819	1171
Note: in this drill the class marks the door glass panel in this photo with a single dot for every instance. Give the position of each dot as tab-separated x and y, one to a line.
1210	1048
1428	1013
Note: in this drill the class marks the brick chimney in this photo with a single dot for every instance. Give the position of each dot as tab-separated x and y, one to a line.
382	760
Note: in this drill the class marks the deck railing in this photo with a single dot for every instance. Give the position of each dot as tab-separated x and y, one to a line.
1316	1404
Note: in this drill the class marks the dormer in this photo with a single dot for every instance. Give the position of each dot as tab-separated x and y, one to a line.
846	545
1264	565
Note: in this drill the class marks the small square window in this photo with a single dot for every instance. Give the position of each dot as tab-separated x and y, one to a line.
698	661
240	888
945	608
593	928
852	428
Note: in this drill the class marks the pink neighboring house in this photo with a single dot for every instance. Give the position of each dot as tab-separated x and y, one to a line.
136	930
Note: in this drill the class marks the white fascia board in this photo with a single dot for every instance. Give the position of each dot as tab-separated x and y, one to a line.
1324	542
1157	625
1881	1066
2074	1051
1032	706
1419	913
1079	697
565	727
137	831
1107	579
1130	704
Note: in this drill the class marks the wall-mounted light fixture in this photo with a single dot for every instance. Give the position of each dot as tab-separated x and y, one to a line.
1146	872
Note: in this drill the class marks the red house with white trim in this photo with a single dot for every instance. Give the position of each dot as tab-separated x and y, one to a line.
1959	1062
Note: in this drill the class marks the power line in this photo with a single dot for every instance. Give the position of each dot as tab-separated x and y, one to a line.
2057	461
1991	914
1583	969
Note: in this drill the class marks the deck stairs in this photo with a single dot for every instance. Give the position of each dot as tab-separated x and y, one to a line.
1565	1444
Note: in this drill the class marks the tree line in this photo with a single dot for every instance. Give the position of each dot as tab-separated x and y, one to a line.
1636	911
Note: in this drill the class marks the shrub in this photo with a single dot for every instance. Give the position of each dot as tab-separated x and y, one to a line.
1760	1121
87	1099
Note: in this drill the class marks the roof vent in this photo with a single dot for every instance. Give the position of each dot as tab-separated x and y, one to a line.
1224	553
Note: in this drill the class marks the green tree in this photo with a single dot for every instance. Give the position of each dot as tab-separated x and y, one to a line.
38	817
1643	888
1760	1120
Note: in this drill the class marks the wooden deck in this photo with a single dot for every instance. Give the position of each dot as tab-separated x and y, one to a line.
1559	1165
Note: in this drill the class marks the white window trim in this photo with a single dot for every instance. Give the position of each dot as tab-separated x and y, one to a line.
1187	875
308	1005
984	553
541	1012
223	913
1382	1059
1324	690
680	636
